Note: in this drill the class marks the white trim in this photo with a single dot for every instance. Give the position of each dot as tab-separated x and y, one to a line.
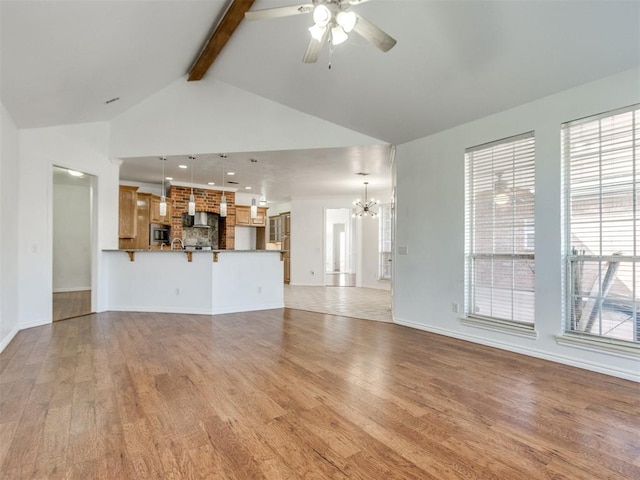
7	340
72	289
194	311
600	345
525	331
153	309
219	311
35	323
591	366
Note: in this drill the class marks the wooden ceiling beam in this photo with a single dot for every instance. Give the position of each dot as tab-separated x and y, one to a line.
219	38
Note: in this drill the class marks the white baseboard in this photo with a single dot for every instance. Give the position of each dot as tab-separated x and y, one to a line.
585	365
254	308
34	323
7	340
154	309
71	289
195	311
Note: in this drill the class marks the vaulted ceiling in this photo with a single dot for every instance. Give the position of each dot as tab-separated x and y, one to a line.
455	61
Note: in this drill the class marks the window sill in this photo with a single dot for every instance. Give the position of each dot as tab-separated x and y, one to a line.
600	345
520	330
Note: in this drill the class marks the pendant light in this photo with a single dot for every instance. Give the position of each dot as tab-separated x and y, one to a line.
365	208
254	208
163	199
192	200
223	199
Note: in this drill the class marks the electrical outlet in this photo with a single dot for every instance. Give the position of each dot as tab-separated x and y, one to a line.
177	291
312	272
259	289
454	307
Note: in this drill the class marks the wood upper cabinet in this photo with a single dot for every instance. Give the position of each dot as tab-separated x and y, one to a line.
128	212
261	219
154	211
243	217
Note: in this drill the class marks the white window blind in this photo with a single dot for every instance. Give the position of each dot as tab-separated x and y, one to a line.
602	169
384	247
500	230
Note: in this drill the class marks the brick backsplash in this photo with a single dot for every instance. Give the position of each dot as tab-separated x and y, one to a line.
206	201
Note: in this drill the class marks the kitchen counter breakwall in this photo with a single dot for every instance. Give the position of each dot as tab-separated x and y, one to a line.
224	281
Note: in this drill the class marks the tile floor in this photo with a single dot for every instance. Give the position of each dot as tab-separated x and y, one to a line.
366	303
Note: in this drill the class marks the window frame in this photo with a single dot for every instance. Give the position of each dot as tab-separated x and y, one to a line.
385	258
472	253
604	260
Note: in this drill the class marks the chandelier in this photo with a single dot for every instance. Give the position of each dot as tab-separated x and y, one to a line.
365	208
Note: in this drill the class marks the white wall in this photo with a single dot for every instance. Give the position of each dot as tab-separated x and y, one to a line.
166	282
9	213
211	116
71	237
430	222
245	238
79	147
307	241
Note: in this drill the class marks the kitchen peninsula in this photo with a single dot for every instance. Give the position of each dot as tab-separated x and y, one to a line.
166	281
209	276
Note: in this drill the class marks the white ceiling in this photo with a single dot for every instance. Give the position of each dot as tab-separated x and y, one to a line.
455	61
277	175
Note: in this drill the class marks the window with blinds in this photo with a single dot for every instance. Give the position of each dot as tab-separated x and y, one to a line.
602	168
500	230
384	244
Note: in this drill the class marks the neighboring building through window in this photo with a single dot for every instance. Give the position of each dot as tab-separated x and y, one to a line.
602	193
384	236
500	231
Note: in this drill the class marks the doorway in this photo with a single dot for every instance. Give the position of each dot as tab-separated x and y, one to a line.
72	259
339	255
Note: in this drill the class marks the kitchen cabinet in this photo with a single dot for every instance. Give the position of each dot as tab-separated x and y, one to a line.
243	217
143	204
279	227
286	244
280	232
154	211
127	209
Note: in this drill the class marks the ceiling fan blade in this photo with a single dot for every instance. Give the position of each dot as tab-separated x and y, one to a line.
278	12
314	47
375	35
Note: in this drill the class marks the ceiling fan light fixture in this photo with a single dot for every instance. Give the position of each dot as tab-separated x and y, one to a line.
317	32
347	20
321	15
338	35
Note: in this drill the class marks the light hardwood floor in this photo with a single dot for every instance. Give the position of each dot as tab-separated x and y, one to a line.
71	304
286	394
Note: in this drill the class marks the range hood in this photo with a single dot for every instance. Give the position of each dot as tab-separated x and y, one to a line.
201	219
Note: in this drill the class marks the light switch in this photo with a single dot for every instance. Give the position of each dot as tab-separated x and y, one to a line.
403	250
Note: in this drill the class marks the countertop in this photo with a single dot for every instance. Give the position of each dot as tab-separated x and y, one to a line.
184	251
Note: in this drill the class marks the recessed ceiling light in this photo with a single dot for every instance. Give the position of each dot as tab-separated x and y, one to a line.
183	166
247	188
168	178
231	173
211	183
75	173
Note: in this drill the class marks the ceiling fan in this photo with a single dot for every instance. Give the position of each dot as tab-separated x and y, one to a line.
332	20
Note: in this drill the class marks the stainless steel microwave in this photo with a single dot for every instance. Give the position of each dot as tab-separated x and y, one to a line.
159	234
